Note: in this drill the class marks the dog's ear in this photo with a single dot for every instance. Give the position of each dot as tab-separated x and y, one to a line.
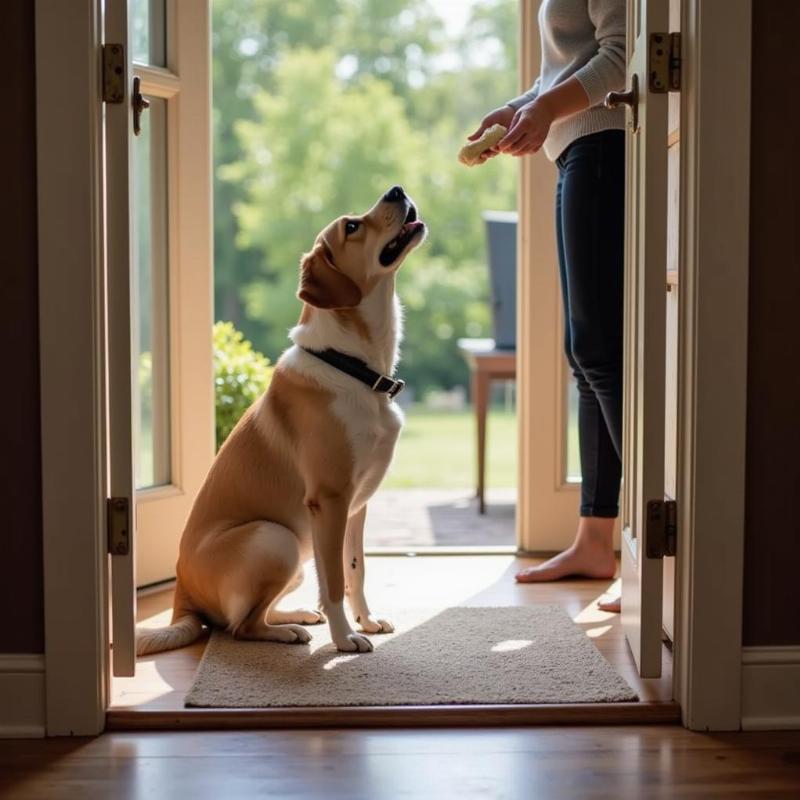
324	286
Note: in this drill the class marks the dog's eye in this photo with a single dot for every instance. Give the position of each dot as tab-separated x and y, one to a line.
351	226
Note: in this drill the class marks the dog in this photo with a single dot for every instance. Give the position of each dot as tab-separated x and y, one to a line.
294	476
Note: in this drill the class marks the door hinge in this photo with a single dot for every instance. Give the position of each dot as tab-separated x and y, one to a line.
662	528
664	63
113	73
118	521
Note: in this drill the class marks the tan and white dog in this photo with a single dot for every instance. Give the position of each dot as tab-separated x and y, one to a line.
294	476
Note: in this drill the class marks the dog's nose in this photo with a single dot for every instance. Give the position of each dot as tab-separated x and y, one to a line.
395	194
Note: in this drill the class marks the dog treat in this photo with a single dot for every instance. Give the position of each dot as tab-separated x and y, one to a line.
470	153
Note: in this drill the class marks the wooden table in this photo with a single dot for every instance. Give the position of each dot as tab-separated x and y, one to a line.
486	364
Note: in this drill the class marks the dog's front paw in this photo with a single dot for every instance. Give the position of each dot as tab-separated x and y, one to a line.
372	625
353	643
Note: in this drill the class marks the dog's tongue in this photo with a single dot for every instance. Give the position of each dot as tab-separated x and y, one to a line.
410	226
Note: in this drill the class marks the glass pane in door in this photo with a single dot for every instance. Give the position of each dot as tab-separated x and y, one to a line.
573	457
148	29
151	296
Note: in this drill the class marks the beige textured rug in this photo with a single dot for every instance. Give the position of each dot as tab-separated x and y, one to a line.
463	655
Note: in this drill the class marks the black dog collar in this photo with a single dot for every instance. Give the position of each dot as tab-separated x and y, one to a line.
358	369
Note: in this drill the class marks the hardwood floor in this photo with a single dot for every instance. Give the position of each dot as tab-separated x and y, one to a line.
553	763
634	761
154	698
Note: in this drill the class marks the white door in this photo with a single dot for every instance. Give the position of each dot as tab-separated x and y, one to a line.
643	509
158	206
119	346
172	274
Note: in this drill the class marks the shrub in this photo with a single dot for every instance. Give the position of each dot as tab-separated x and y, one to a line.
241	374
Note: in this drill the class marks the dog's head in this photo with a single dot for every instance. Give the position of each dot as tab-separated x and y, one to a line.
354	253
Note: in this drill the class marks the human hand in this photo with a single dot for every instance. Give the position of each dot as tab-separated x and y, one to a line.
528	130
500	116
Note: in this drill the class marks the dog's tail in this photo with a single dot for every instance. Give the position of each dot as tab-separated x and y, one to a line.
186	627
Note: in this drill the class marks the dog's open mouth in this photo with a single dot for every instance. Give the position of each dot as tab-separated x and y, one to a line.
412	227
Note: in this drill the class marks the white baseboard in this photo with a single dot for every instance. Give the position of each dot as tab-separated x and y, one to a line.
770	688
22	712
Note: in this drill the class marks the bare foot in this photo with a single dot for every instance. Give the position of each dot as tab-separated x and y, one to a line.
613	605
591	555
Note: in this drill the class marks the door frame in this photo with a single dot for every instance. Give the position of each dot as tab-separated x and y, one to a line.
69	163
712	381
712	360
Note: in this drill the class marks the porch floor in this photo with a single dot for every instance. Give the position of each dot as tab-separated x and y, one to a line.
155	697
440	518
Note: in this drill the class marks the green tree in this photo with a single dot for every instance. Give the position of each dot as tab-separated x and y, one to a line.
316	145
316	121
248	39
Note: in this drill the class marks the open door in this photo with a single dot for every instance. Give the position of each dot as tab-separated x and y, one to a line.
159	290
121	509
644	512
172	301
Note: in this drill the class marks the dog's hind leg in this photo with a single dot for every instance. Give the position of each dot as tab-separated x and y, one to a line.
302	616
269	560
255	626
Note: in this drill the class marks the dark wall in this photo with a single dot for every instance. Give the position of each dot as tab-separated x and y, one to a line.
772	539
21	586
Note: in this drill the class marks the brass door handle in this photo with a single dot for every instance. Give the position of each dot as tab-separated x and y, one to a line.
629	98
139	105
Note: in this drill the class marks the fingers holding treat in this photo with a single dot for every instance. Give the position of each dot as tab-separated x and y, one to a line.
478	151
528	130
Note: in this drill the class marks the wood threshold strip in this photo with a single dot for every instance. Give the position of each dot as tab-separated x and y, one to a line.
123	719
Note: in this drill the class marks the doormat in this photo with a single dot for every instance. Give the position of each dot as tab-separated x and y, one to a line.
461	655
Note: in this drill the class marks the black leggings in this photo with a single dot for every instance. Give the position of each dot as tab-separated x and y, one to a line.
590	216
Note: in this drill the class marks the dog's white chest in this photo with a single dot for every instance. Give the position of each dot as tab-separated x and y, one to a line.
373	427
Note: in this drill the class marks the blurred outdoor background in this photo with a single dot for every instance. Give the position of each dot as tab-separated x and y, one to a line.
319	107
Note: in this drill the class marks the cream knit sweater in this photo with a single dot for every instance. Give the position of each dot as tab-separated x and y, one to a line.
584	38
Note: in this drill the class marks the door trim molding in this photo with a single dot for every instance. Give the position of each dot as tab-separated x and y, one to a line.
712	386
547	506
712	380
770	677
72	369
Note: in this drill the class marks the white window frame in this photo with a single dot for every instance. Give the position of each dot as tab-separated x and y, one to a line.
162	510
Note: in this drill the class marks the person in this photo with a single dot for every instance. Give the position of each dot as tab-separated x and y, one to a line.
583	58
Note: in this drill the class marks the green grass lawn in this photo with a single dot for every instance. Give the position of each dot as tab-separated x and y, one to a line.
437	450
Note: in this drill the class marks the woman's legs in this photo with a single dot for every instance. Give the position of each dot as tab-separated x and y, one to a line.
590	236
